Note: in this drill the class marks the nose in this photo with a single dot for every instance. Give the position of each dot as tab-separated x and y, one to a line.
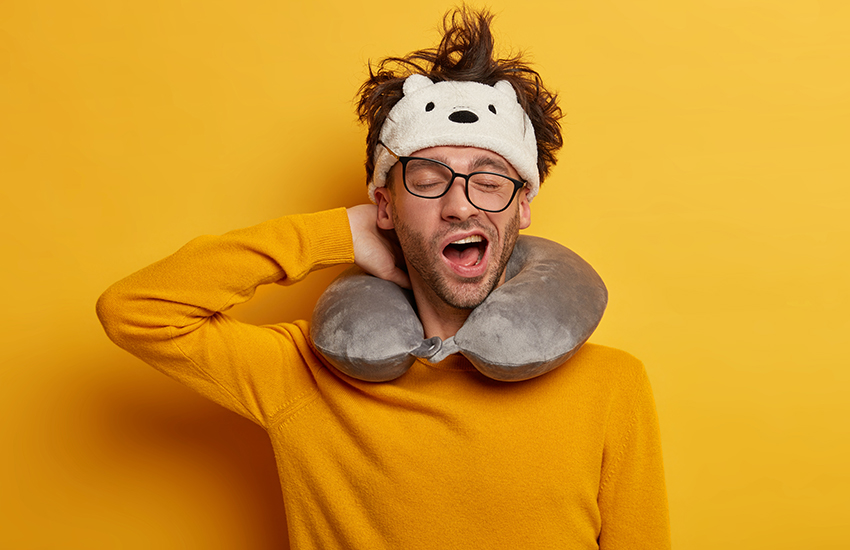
463	117
455	206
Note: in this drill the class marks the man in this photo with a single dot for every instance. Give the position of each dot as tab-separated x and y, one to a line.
438	455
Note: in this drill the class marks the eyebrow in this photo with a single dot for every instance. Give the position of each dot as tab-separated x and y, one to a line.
489	162
482	161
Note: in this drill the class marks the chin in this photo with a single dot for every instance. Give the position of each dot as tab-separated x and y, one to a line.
467	295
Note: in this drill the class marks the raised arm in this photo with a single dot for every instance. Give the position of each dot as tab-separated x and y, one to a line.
170	314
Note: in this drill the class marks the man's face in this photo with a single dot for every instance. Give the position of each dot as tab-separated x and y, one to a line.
455	253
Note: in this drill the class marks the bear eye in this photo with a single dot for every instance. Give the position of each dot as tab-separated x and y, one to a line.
430	106
492	109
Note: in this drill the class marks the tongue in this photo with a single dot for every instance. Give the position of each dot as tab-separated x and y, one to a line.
465	256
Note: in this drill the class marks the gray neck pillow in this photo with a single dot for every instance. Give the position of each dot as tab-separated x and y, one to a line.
549	305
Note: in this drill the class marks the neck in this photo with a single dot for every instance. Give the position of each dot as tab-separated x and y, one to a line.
443	322
438	318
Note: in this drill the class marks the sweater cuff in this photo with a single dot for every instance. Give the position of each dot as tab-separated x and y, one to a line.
330	241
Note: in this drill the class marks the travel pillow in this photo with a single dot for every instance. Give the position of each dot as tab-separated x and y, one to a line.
549	305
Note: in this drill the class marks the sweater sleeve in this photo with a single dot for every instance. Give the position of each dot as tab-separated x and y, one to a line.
170	314
632	494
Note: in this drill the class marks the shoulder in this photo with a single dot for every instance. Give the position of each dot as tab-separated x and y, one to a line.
607	362
600	353
611	375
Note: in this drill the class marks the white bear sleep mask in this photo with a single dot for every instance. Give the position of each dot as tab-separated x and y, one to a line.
549	305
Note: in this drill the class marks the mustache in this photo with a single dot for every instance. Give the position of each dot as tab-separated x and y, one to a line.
466	225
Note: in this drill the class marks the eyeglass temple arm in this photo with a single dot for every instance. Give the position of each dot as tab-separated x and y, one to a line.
382	144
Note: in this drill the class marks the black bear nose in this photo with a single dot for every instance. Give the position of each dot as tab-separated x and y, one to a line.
464	117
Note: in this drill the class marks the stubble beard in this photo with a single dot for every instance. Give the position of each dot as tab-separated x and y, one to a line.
424	255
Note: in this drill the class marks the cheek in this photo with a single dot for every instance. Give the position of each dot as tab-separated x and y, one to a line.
411	219
507	223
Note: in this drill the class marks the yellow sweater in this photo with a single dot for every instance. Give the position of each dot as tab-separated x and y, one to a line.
440	458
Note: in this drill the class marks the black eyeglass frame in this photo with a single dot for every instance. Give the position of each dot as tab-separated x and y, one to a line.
518	184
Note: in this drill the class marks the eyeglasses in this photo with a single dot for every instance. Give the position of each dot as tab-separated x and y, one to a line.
431	179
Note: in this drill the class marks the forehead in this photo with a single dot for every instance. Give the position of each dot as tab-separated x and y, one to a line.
467	158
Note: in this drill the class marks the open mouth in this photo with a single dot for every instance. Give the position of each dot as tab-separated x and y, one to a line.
466	252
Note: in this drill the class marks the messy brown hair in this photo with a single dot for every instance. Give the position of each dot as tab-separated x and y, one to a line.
465	54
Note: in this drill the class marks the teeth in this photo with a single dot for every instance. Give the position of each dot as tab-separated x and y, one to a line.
470	239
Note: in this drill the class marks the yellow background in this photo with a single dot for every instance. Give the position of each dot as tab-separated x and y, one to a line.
705	175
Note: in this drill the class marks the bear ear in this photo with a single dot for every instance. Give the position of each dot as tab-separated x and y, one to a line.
505	87
415	82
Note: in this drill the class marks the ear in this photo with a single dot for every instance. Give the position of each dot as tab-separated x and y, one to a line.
524	209
506	88
415	82
383	199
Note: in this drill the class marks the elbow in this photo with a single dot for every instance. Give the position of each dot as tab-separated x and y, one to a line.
112	310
